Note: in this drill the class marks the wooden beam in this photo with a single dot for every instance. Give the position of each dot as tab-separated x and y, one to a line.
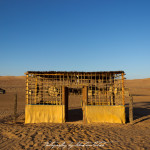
15	108
35	90
27	89
65	101
123	102
131	110
85	102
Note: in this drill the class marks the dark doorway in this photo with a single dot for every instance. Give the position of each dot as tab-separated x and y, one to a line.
74	106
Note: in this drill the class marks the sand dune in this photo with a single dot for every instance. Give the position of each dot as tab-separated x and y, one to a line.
108	136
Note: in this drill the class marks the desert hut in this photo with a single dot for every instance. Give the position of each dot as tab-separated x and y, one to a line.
102	94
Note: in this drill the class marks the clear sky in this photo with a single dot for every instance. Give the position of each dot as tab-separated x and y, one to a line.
75	35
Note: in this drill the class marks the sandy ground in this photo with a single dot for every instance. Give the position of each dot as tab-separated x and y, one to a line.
99	136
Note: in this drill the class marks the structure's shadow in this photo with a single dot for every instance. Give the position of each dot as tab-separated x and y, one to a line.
140	113
75	115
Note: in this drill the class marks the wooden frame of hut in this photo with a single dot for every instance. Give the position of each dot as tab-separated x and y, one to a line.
102	94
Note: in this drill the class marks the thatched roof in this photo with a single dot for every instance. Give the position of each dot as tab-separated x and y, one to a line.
72	72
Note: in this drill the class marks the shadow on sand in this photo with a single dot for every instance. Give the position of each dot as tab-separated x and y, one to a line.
140	113
75	115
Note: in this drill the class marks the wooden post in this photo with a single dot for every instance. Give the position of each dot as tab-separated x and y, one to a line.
15	108
27	90
131	110
112	98
123	89
35	90
42	99
111	89
65	101
85	102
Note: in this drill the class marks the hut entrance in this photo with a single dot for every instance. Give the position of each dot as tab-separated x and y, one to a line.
75	104
74	100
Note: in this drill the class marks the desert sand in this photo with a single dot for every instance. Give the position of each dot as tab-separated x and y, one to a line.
73	134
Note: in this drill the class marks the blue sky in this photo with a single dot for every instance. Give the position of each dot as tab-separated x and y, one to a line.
75	35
